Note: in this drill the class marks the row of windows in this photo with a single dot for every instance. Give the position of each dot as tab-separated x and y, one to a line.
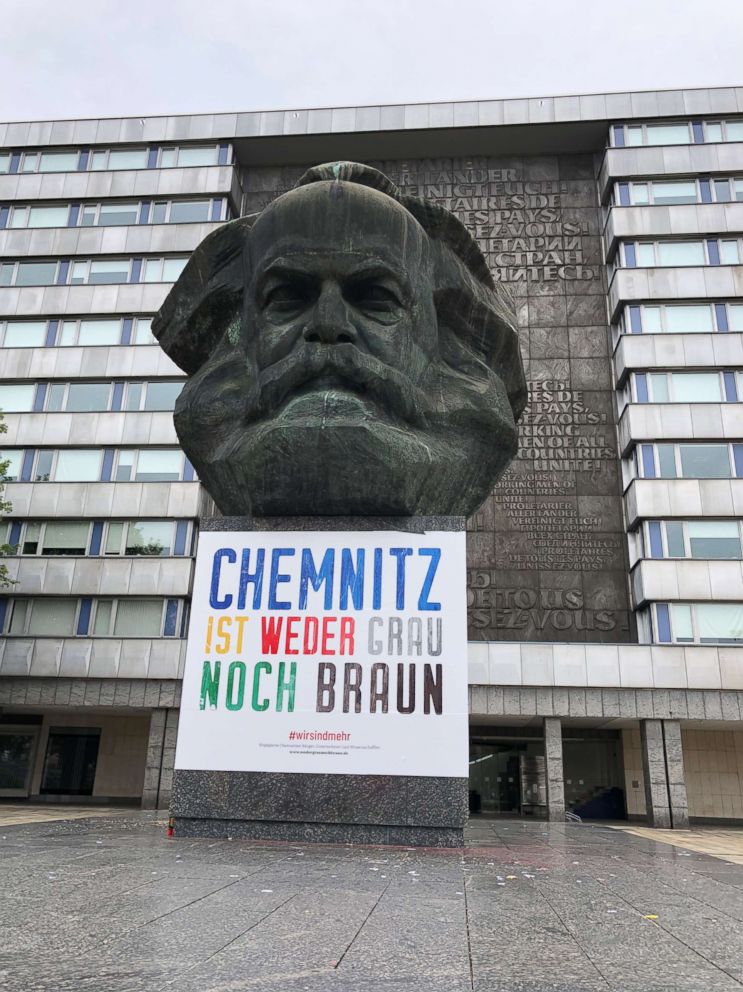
689	461
678	191
115	214
158	538
97	465
84	331
113	159
88	397
676	133
92	272
705	539
681	318
682	387
661	254
87	617
697	623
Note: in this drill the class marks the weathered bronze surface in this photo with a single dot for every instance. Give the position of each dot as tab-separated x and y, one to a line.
348	354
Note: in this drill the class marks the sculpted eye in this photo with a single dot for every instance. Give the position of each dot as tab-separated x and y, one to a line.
286	296
373	296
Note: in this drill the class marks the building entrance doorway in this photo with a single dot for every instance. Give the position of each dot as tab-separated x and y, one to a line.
71	760
17	751
507	777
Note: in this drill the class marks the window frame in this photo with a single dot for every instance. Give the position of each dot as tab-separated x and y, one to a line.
695	638
687	556
94	603
672	385
638	467
716	122
656	244
624	323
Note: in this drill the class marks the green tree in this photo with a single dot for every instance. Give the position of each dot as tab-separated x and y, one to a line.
5	507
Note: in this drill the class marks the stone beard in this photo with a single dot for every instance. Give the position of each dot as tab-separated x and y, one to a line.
348	355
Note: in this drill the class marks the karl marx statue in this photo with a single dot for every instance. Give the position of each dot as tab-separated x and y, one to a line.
348	354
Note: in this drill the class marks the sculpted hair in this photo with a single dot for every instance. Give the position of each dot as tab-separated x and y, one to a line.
205	304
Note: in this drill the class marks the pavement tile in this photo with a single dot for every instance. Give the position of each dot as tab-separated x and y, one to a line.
110	905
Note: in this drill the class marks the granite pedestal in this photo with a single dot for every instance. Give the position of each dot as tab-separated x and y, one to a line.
408	810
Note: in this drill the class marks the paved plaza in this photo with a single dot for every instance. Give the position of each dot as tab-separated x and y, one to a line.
110	903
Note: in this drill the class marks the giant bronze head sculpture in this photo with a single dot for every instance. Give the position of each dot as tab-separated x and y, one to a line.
348	354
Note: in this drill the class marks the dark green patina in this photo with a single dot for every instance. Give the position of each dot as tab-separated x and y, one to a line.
348	353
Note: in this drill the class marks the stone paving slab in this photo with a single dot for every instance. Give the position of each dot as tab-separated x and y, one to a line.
110	904
721	842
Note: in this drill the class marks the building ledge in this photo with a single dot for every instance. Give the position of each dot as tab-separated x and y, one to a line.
605	666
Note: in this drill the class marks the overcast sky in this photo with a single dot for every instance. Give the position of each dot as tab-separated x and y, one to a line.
97	58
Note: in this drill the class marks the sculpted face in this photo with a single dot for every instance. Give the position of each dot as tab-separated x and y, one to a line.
341	361
339	317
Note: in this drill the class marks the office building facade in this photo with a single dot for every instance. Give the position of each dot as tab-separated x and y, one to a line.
605	578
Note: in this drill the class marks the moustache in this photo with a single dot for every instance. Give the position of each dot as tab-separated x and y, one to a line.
336	365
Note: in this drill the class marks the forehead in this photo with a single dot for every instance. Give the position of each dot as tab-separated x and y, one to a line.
331	219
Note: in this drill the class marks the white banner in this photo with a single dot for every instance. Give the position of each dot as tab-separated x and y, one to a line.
330	652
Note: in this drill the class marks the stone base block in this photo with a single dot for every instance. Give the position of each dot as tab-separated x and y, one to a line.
360	809
320	833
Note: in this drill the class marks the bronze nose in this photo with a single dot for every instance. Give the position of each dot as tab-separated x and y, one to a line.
330	321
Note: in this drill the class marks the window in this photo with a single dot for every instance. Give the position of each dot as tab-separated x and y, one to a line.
50	161
109	214
688	319
684	318
83	397
644	254
149	465
681	387
14	459
189	155
119	158
142	333
138	618
182	212
702	539
689	461
90	332
698	623
24	334
163	465
39	216
677	133
161	395
163	269
100	272
17	398
43	617
148	538
90	397
676	192
93	331
4	162
680	253
68	617
28	273
78	465
64	538
714	539
704	461
89	465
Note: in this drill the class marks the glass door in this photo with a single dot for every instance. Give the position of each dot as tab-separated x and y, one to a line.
495	781
71	760
17	751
